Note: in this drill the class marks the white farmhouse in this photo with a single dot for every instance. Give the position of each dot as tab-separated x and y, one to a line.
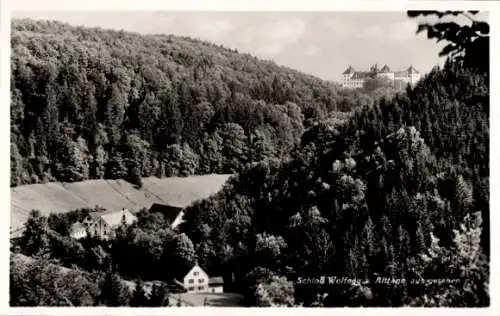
198	281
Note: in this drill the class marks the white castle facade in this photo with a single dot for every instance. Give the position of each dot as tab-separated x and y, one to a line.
355	79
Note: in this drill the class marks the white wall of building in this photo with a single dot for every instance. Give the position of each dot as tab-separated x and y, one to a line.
216	289
388	75
78	234
196	280
178	220
347	80
415	78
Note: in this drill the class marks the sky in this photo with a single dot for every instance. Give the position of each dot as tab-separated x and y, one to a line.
323	44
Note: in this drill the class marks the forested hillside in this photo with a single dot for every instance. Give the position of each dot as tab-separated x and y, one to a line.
89	103
401	190
390	200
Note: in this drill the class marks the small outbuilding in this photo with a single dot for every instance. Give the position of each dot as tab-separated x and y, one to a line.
216	285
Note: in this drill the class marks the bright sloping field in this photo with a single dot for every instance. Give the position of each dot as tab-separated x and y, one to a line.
183	191
99	192
110	194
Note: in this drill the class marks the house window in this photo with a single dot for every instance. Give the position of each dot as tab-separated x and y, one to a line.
201	288
191	281
191	288
195	273
201	280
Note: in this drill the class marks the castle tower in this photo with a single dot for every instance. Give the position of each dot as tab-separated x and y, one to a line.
387	72
413	75
385	69
349	71
346	76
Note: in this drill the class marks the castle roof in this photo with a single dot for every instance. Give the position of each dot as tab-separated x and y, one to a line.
349	70
412	70
361	75
375	68
385	69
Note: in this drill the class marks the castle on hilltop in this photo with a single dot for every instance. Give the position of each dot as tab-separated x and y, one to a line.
355	79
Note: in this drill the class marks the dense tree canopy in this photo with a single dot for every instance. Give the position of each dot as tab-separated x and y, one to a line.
42	283
361	199
467	43
398	188
89	103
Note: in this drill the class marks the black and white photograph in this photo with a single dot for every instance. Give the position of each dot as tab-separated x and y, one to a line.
249	158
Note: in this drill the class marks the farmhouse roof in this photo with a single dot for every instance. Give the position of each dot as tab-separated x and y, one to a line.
115	218
215	280
185	270
169	212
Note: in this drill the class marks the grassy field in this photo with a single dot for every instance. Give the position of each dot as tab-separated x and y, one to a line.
110	194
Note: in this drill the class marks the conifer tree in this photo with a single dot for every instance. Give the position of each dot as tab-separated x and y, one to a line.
35	239
464	264
159	296
113	291
139	298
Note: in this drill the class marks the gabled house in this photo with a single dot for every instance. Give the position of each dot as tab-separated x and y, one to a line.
197	280
173	214
104	224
